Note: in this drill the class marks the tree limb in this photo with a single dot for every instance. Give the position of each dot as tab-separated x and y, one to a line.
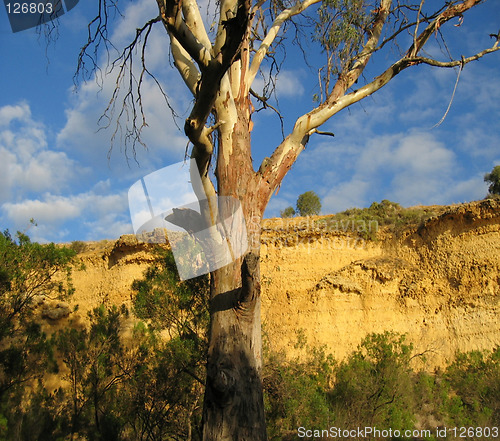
227	11
454	63
345	81
261	53
194	22
321	114
449	13
170	13
184	64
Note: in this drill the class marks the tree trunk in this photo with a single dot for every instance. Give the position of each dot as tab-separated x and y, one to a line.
234	405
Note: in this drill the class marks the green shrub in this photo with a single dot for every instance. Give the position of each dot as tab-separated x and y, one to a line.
494	179
474	380
373	387
78	246
296	392
366	221
287	212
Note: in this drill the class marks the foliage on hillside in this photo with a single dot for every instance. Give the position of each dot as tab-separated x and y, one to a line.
376	387
367	221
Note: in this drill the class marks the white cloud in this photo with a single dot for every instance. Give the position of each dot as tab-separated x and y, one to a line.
95	215
85	133
280	202
17	112
469	190
27	163
109	226
410	168
346	195
39	182
478	88
415	166
54	209
289	84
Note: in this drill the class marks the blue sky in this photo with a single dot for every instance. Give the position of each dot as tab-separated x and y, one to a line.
55	168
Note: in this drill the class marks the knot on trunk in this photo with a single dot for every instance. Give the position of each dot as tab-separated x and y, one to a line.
250	280
222	382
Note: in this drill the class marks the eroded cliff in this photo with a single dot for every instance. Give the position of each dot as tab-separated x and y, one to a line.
439	283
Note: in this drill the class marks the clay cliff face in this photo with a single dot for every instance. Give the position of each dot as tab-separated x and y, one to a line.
439	283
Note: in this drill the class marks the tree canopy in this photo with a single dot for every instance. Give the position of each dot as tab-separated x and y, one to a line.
308	204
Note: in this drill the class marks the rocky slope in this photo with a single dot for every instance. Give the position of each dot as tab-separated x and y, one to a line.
438	283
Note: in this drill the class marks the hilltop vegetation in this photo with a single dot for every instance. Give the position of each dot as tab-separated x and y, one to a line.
367	221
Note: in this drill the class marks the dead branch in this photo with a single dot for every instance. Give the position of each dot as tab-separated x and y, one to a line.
265	105
131	105
97	36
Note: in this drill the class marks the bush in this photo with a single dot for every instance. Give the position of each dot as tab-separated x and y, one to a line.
366	221
296	392
27	272
474	379
78	246
287	212
373	387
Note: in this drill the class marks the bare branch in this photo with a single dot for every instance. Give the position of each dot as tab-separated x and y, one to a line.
97	31
319	132
453	63
415	33
261	53
266	105
406	24
131	105
451	99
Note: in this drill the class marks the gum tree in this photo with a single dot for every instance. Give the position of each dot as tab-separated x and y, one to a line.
219	68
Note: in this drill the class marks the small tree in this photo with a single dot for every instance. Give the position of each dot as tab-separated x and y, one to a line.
27	271
308	204
373	386
287	212
494	179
